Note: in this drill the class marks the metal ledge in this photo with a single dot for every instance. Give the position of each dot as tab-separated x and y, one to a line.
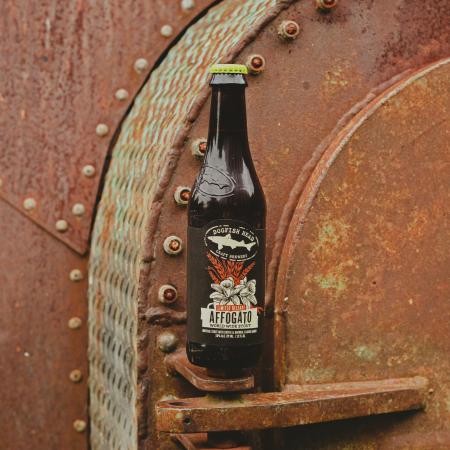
296	406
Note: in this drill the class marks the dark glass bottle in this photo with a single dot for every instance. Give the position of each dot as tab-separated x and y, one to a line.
226	238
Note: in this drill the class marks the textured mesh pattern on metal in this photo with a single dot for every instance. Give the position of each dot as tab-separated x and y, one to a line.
147	134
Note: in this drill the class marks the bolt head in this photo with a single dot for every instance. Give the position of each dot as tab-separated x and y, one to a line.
121	94
187	4
102	129
166	30
173	245
79	425
74	323
75	376
88	170
61	225
78	209
199	146
141	65
288	30
256	64
76	275
167	342
326	4
29	203
167	294
182	195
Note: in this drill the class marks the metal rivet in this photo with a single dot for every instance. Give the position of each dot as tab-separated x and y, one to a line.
199	146
167	294
74	323
102	129
121	94
75	376
88	170
76	275
187	4
256	64
166	30
79	425
173	245
181	195
1	182
29	203
167	342
326	4
288	29
141	65
78	209
61	225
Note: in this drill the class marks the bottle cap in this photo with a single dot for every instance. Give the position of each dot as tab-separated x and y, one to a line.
229	68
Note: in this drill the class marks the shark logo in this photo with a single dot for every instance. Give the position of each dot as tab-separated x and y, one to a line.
228	241
232	240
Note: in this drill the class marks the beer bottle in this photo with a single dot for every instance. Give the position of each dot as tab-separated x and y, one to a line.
226	238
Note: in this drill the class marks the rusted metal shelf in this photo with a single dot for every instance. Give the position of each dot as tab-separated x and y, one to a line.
295	406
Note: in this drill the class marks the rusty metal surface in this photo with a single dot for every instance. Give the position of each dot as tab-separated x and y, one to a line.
177	362
39	350
305	405
364	282
199	441
317	83
64	67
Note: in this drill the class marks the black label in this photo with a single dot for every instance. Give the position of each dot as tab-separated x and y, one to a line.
226	283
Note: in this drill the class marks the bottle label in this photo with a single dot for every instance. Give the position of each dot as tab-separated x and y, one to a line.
226	283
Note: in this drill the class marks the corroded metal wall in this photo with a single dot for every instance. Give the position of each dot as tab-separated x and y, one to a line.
310	89
68	73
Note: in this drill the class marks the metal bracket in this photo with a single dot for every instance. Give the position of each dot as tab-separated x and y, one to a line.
297	405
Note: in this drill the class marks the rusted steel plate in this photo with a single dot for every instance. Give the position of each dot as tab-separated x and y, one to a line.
199	441
317	83
364	280
177	362
39	350
66	68
294	407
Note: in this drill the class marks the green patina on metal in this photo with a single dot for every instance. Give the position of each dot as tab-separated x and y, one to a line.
148	133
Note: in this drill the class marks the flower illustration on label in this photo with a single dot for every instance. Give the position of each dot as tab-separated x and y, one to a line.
228	293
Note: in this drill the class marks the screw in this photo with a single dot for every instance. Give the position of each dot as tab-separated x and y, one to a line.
167	294
121	94
182	195
74	323
102	129
173	245
288	30
166	30
75	376
187	4
79	425
88	171
76	275
140	65
256	64
29	203
78	209
167	342
199	146
61	225
326	4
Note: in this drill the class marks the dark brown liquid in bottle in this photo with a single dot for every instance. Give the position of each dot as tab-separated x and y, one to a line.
227	188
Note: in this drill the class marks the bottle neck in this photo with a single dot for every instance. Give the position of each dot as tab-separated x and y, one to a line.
227	137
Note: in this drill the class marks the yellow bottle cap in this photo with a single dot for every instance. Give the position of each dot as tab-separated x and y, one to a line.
229	68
